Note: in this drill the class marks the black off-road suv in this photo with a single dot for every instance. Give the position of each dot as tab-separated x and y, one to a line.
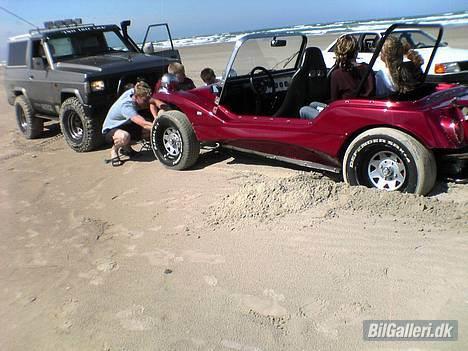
73	72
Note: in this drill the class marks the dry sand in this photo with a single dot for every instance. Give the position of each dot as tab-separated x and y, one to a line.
237	254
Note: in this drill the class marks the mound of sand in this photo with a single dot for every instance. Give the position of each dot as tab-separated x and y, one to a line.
268	198
264	199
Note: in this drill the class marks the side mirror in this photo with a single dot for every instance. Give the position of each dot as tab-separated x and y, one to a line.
276	43
38	63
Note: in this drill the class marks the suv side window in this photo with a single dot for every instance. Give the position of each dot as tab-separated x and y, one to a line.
38	57
17	53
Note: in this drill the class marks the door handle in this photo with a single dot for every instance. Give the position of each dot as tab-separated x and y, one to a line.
31	77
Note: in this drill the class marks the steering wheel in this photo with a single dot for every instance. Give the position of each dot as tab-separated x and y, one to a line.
260	85
419	45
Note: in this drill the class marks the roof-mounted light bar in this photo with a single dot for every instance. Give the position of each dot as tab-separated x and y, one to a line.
63	23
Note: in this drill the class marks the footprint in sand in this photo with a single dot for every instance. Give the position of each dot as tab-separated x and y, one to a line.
145	204
268	305
200	257
65	313
347	314
135	319
210	280
234	345
32	233
131	251
103	266
313	308
106	265
93	277
38	260
159	257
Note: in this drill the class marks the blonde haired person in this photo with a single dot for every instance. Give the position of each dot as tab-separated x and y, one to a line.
178	70
398	75
124	123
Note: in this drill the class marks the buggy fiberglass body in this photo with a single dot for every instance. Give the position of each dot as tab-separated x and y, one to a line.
401	142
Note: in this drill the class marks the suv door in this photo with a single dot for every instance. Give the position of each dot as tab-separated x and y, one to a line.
158	41
40	90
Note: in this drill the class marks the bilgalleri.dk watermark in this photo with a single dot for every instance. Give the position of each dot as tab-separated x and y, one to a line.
410	330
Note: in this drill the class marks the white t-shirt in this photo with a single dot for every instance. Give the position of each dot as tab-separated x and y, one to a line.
383	83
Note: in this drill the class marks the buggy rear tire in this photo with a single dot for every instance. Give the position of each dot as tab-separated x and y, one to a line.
28	124
388	159
174	142
81	132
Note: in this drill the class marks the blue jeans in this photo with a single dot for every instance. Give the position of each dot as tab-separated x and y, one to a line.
312	110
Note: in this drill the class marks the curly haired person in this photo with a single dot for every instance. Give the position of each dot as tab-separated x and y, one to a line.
345	77
399	75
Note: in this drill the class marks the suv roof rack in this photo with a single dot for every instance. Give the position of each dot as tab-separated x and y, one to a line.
61	24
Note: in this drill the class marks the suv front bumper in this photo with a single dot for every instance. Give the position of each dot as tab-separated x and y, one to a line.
460	77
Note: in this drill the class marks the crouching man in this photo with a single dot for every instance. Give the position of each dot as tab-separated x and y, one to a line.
124	123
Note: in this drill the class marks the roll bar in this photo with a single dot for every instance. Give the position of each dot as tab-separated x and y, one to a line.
384	37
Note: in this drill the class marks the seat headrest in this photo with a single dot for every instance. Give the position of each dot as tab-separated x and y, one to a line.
312	59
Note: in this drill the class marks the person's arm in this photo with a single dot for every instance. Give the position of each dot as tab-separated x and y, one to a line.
154	107
143	123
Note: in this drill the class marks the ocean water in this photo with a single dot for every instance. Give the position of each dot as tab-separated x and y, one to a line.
447	19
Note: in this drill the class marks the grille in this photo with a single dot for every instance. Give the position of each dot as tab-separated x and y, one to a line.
463	65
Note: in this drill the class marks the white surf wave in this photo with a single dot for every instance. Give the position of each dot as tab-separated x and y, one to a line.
446	19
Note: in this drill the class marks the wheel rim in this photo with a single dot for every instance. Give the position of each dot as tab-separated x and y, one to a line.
75	126
172	142
386	171
23	124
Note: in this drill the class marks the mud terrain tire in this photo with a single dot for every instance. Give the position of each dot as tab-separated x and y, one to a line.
29	125
81	132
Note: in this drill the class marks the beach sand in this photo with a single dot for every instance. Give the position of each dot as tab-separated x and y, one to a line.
236	254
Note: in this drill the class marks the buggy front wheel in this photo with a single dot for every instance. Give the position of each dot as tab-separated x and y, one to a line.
174	142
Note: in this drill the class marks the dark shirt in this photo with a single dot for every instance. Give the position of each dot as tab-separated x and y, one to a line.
343	84
187	84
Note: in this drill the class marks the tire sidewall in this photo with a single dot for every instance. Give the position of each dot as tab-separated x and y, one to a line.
157	132
362	151
34	126
18	106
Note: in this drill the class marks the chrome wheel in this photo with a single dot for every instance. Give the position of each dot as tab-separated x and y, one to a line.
172	142
386	171
23	124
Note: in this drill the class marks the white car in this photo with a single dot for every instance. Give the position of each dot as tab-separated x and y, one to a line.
449	65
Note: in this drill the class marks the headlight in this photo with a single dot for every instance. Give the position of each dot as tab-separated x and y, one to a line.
449	67
97	85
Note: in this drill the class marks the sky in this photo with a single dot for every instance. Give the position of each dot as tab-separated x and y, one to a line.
191	17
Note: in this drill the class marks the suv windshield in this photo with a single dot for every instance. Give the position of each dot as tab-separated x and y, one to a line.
417	39
89	43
